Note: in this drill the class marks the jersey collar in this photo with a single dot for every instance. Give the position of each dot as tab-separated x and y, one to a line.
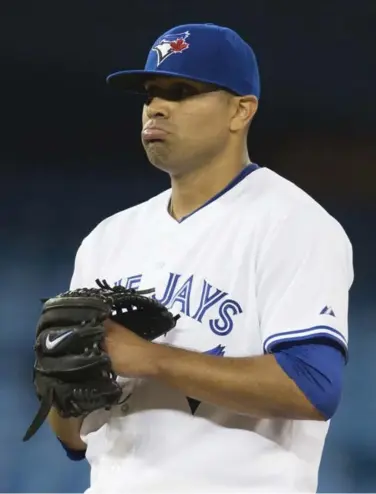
247	170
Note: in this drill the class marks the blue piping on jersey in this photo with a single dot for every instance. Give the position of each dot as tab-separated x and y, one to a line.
308	334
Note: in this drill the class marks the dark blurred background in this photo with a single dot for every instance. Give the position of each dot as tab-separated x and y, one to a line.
70	155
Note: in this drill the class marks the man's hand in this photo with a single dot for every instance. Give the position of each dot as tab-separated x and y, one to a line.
131	356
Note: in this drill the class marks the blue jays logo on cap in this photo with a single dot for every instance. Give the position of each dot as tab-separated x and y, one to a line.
170	44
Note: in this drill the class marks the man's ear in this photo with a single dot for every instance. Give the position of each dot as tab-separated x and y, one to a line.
245	110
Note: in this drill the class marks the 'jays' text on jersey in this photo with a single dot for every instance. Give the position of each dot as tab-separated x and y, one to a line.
261	264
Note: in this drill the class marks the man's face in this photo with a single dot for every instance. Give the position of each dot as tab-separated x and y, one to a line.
184	123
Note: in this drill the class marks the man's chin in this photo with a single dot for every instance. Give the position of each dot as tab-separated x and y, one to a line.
160	159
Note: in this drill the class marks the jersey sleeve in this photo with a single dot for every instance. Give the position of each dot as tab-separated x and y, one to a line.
78	276
82	275
304	275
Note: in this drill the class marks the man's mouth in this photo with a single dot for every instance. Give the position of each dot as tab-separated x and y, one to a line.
154	135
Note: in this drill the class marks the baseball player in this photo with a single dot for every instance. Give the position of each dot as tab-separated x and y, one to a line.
239	396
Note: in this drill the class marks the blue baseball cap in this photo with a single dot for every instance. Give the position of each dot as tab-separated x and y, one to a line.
200	52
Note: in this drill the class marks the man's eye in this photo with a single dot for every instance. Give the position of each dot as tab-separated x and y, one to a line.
176	92
182	91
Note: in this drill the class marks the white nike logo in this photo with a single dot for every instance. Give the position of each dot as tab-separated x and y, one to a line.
50	344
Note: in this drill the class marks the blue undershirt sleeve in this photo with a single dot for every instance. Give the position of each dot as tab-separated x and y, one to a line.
317	368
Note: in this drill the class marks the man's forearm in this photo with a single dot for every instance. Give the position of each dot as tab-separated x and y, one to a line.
256	385
67	430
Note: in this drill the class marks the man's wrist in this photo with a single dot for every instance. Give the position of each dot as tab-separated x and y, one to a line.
160	355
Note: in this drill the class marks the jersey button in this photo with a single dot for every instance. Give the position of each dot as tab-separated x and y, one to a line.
125	408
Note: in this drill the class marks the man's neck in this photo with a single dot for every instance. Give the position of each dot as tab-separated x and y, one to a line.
192	190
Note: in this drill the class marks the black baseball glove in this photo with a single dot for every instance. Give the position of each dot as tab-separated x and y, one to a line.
72	372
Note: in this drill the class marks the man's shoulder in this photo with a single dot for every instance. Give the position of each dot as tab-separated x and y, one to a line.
126	218
281	199
286	197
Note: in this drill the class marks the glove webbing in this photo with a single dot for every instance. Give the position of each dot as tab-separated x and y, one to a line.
109	294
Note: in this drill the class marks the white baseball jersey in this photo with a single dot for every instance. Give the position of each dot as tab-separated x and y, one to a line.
260	264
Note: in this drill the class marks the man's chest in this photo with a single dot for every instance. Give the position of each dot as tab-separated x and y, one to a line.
206	277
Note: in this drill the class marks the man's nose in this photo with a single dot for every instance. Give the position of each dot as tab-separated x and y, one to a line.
157	108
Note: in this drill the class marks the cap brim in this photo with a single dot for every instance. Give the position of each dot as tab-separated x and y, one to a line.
133	81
